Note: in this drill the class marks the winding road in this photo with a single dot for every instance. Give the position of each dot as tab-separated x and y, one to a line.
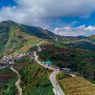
18	81
38	61
57	90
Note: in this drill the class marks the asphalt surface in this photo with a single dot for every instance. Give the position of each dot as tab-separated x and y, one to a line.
55	83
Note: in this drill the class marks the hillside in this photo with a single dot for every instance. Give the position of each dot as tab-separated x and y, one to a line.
74	53
92	38
7	82
76	86
20	38
79	60
83	45
12	38
35	79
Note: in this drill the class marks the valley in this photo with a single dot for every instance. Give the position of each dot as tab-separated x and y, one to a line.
33	62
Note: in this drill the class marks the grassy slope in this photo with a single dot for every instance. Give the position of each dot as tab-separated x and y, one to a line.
35	80
19	41
14	40
77	86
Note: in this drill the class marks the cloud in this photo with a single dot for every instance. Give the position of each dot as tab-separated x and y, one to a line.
75	31
36	12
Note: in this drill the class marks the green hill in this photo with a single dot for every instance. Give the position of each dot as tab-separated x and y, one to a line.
12	38
83	45
78	60
19	38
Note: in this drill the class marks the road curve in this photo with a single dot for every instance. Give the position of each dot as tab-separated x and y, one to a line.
38	61
18	81
38	45
53	75
55	83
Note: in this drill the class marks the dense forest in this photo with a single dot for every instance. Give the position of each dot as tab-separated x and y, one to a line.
80	61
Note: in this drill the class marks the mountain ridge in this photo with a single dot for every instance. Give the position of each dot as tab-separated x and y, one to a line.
15	37
32	30
42	33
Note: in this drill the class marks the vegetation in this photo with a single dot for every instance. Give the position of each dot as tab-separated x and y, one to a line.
7	82
60	76
78	60
9	87
70	52
77	86
5	70
35	80
83	45
13	39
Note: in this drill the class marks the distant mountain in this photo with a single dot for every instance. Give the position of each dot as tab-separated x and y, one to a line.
92	38
87	45
72	37
38	32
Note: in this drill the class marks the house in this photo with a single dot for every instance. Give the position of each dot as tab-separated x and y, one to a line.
49	63
66	70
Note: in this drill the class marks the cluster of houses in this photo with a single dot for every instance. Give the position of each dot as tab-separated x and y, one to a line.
9	60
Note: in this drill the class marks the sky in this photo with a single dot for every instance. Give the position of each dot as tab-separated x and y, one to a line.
63	17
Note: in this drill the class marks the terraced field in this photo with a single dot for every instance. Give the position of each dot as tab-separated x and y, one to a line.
77	86
7	82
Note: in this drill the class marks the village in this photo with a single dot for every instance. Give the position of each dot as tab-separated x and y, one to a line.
10	60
